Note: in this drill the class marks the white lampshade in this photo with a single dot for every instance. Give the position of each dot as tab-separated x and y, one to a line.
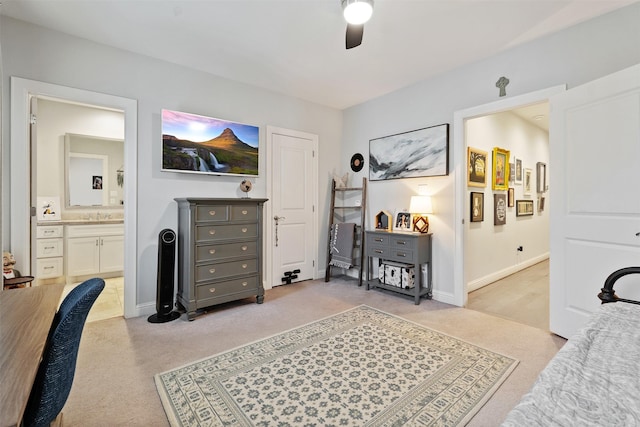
421	205
357	12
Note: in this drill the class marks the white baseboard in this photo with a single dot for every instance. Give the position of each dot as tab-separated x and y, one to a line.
501	274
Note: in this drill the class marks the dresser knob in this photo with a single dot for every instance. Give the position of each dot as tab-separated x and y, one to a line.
212	290
212	270
244	248
244	212
212	232
244	229
378	251
244	283
401	254
212	213
212	251
244	265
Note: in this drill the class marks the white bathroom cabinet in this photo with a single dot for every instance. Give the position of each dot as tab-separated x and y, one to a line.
94	249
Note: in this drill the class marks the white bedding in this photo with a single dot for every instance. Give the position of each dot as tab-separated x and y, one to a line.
594	380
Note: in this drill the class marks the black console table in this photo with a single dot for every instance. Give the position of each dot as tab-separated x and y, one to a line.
411	249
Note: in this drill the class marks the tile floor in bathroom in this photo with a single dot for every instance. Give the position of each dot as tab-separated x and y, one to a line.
109	304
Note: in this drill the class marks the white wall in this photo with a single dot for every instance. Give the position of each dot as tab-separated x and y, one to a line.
574	56
490	250
36	53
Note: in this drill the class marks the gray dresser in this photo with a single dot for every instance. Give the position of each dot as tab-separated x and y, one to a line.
219	251
406	248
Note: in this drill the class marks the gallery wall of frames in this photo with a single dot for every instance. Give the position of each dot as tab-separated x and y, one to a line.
508	191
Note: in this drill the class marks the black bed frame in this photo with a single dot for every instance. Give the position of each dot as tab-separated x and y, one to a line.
608	294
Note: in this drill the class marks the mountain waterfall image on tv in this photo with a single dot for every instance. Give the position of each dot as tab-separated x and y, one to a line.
200	144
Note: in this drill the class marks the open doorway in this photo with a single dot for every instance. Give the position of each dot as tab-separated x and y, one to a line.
79	167
24	201
507	236
463	190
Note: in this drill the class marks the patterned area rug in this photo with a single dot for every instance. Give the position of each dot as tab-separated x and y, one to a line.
362	367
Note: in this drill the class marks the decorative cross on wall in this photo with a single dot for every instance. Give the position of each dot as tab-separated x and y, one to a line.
502	84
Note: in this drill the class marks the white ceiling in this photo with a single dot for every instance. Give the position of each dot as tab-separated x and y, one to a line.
296	47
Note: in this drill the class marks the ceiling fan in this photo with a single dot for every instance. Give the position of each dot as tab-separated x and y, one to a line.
356	13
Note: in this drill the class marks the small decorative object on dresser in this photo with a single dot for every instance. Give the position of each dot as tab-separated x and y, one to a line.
383	221
245	187
219	251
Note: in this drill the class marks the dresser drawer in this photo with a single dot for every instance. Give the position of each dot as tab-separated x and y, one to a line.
224	251
226	269
244	213
401	255
45	231
49	248
400	242
391	253
377	239
227	287
212	213
206	233
49	267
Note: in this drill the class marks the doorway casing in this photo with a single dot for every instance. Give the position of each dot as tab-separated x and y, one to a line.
459	296
21	92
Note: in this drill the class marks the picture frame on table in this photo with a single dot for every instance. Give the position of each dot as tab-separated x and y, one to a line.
402	221
476	207
48	208
500	170
476	167
524	207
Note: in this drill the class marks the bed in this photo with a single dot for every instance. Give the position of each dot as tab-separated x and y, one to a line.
594	380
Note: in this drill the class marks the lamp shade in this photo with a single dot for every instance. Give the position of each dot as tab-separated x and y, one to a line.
421	205
357	12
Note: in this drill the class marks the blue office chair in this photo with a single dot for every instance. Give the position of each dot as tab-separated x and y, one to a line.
55	374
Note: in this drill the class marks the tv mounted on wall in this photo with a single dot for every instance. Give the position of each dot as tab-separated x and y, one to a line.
206	145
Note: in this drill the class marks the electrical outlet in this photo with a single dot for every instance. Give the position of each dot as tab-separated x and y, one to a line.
519	248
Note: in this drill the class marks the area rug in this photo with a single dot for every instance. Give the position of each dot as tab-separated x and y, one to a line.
361	367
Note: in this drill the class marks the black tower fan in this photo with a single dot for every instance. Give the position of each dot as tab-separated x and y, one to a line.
166	271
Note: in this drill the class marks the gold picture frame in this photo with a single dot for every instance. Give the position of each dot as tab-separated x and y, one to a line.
500	169
476	167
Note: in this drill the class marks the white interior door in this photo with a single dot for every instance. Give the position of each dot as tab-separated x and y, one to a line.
294	239
595	203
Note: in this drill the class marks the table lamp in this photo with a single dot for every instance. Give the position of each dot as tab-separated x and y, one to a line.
420	206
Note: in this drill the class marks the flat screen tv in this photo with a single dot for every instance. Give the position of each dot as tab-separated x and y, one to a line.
206	145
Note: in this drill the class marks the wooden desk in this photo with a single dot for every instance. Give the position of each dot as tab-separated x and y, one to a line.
25	320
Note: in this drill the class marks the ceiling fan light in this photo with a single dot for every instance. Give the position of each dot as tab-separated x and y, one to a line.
357	12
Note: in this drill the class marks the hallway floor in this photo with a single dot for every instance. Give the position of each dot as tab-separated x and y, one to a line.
522	297
109	304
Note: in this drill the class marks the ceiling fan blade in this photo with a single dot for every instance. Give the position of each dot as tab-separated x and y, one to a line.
354	35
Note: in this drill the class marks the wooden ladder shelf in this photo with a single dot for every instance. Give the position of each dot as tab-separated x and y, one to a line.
348	207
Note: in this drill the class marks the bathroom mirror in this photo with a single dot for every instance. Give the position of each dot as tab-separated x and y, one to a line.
94	173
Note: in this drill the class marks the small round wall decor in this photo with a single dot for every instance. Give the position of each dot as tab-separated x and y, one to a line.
357	162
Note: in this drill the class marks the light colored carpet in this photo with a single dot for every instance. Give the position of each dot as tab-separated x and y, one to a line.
118	358
361	367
